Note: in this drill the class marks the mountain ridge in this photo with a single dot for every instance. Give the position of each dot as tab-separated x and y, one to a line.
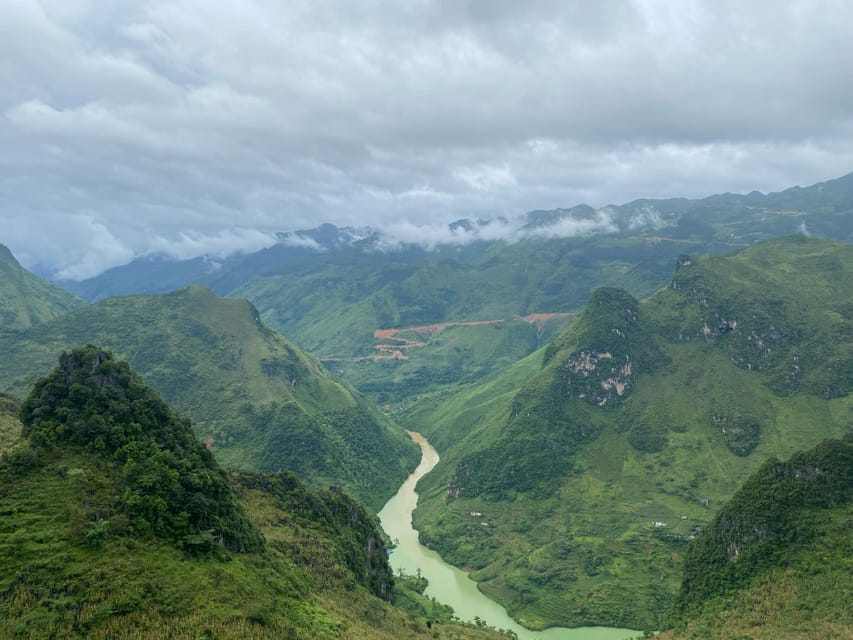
25	299
263	403
573	476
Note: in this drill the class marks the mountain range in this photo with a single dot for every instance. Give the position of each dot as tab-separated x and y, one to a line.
260	402
329	289
594	461
600	384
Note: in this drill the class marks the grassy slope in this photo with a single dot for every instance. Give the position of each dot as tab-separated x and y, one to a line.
308	582
26	300
266	404
792	576
582	547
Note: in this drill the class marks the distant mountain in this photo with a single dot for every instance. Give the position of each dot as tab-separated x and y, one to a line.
775	561
330	288
26	299
594	460
263	404
118	523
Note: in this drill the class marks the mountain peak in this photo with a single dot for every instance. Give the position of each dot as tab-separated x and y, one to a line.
93	404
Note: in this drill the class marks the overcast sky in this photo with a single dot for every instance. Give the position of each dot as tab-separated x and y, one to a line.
194	126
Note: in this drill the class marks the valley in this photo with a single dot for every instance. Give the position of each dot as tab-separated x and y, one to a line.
594	402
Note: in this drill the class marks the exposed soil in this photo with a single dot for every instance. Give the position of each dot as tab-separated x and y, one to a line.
388	351
394	346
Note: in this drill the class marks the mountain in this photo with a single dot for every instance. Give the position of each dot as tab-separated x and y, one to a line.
26	300
261	403
118	523
593	461
330	288
775	561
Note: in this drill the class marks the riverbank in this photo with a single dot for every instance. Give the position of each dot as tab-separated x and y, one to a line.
451	585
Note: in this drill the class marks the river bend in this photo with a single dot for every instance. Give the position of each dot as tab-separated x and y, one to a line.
451	585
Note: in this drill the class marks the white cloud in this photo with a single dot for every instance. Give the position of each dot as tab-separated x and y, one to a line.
486	178
219	245
151	122
83	248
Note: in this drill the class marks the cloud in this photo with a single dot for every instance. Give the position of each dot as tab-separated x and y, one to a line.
218	245
568	227
84	249
155	124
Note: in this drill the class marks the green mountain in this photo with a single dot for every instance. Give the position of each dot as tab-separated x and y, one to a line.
261	403
26	300
118	523
593	461
331	299
777	560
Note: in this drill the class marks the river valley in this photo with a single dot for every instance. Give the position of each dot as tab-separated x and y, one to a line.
451	585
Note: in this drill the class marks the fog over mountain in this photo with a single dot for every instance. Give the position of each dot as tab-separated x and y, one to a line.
190	127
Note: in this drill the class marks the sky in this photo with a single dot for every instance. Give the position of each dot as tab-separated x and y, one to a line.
195	126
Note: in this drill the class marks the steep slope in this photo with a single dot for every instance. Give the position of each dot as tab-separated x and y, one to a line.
118	523
594	470
263	404
777	560
25	299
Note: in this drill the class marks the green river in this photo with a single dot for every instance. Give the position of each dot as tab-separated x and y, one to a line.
450	585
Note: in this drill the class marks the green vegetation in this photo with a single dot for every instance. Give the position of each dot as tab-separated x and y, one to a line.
82	557
593	475
264	404
409	596
447	358
170	485
777	560
10	425
331	301
26	300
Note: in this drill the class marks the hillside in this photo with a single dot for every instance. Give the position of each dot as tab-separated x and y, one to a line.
25	299
10	426
777	560
118	523
595	460
261	403
328	289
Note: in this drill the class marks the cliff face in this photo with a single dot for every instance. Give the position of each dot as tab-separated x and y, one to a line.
359	546
780	513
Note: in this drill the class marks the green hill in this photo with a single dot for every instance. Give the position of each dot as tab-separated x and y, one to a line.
777	560
595	460
118	523
263	404
25	299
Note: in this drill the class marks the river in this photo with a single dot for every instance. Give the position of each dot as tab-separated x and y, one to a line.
450	585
